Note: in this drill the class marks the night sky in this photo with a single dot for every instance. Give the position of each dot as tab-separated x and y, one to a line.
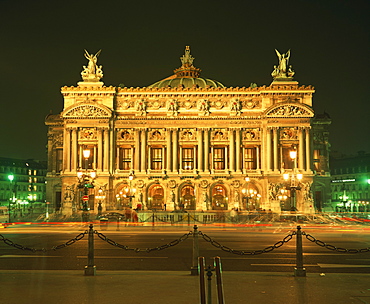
43	42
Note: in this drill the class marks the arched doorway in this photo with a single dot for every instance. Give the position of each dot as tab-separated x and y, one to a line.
155	197
219	198
251	197
122	200
187	198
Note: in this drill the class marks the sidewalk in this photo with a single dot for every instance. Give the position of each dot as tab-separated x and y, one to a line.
179	287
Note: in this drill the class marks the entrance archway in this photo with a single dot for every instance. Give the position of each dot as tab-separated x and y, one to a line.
219	197
187	198
156	197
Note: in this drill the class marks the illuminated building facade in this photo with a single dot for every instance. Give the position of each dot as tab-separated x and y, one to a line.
22	186
185	143
350	182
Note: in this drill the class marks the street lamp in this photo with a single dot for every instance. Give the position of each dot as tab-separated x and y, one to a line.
85	181
130	192
100	197
295	179
11	199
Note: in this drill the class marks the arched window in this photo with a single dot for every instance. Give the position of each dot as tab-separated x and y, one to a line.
187	198
156	197
219	198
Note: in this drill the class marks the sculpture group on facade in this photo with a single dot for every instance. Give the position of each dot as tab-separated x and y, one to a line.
283	71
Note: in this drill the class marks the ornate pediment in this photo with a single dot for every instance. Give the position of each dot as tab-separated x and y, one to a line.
86	111
290	110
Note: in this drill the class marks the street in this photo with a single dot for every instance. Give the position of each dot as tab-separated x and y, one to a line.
179	256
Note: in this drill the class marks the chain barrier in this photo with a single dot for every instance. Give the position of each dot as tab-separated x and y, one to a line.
312	239
25	248
147	250
247	252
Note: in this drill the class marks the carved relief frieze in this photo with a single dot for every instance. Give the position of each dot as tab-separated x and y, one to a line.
188	104
252	134
156	135
86	111
220	135
250	103
188	134
289	110
156	104
235	107
290	133
125	134
218	104
124	104
87	133
57	139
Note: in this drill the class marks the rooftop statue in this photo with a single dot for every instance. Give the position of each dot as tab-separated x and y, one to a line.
282	72
92	72
187	59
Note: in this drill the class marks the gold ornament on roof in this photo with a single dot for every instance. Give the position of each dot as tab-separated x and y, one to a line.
93	72
283	71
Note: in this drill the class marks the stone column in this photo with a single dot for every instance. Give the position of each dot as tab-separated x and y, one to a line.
67	150
237	150
74	142
268	149
175	155
200	151
232	150
137	150
100	150
275	152
143	150
308	150
106	150
258	165
168	150
301	157
206	150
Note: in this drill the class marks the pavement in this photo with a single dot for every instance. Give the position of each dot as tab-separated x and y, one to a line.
179	287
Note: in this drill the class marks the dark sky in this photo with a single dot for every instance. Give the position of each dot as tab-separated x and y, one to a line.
42	46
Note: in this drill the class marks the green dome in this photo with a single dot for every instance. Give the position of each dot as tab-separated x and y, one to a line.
187	76
187	82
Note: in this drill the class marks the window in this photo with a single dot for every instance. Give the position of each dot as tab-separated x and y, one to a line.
316	160
219	158
187	158
250	159
156	154
125	158
59	160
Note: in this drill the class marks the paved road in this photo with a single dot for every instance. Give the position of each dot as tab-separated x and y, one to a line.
179	257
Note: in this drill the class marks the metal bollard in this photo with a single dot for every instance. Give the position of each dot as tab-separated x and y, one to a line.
209	284
194	268
90	269
202	283
299	271
220	292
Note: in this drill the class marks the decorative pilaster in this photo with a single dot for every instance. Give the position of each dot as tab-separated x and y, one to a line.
301	156
200	162
232	149
275	150
175	156
168	150
237	150
206	151
137	150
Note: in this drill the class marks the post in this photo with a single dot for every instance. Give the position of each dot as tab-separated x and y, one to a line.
209	284
194	268
90	269
220	292
299	271
202	283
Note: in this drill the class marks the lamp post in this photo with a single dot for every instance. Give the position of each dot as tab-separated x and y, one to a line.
86	180
11	199
100	197
295	179
130	192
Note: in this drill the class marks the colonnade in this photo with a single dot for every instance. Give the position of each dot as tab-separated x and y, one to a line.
267	157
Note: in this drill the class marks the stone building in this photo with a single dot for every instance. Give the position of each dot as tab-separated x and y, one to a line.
184	143
350	183
22	186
